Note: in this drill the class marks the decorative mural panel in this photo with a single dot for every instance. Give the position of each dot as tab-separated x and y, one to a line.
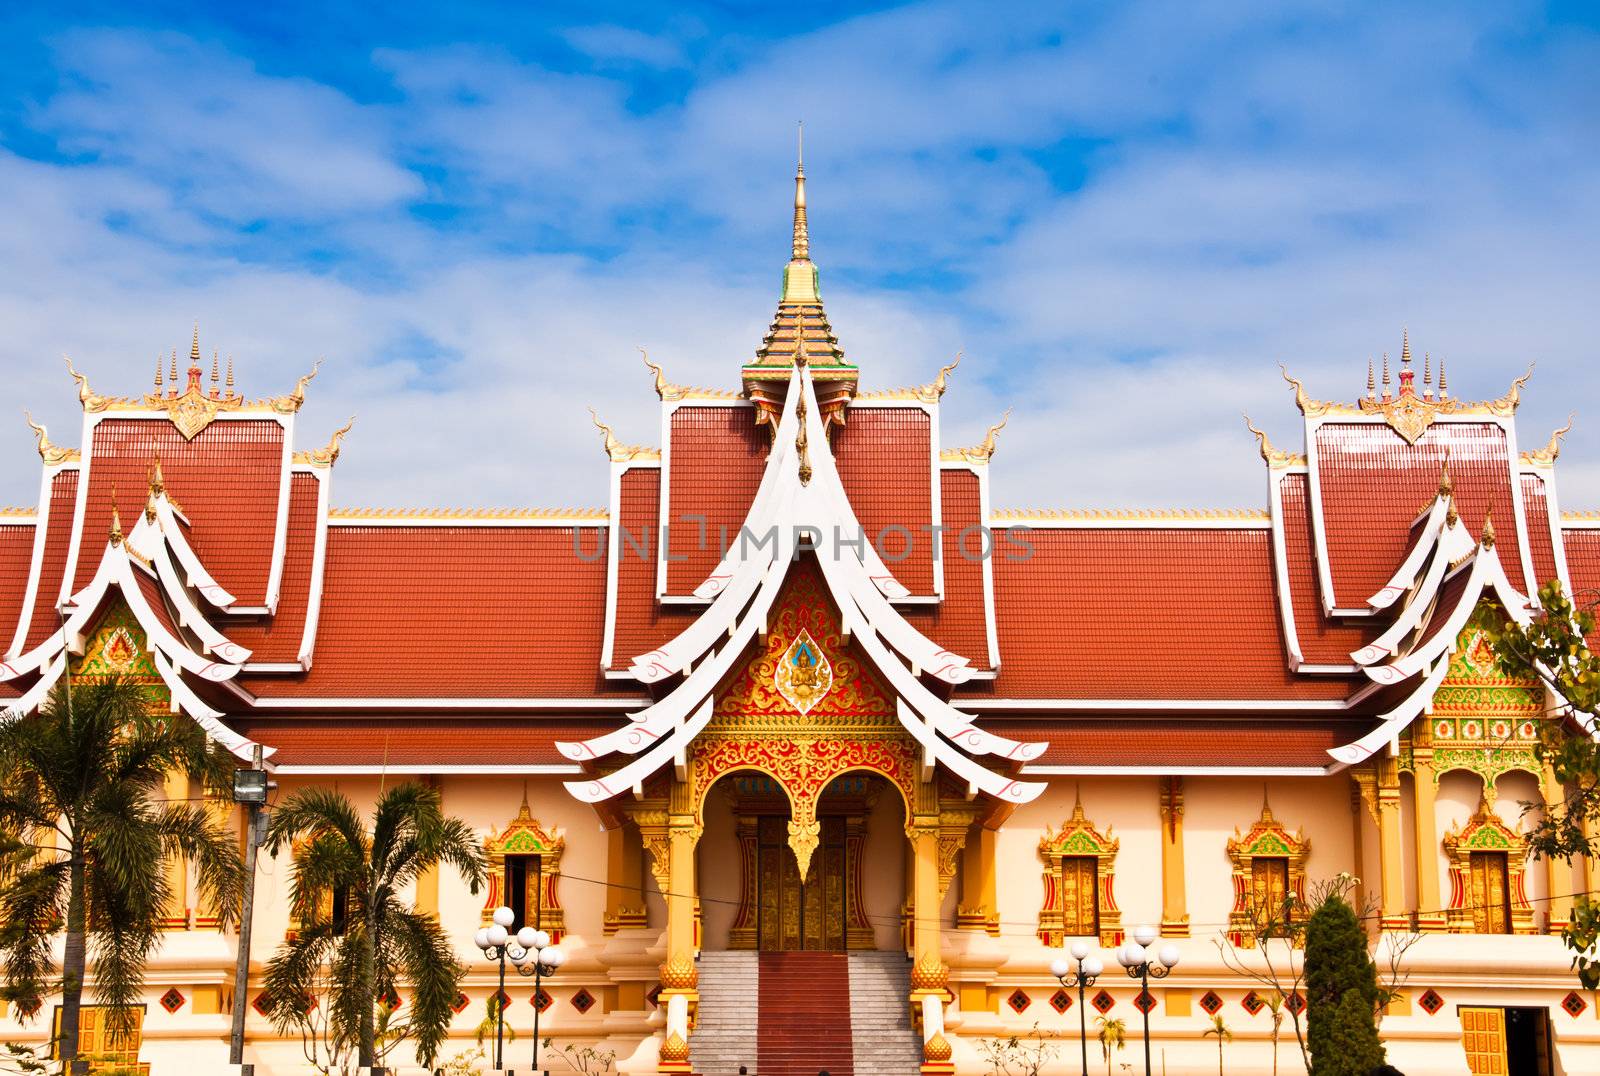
117	647
1483	721
1488	874
1267	839
1077	840
524	836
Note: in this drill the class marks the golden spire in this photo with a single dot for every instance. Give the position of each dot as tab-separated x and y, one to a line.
1372	384
115	533
229	381
1444	385
216	367
802	239
1386	375
1405	345
194	345
174	377
1427	373
800	275
158	373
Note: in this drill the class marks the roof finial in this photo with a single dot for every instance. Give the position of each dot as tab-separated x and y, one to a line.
986	449
662	384
194	345
229	381
50	453
612	444
1386	392
158	482
801	359
945	372
800	275
1266	805
1405	346
1444	384
115	533
174	377
1274	456
1487	541
1552	449
216	367
1447	485
159	364
802	241
1372	384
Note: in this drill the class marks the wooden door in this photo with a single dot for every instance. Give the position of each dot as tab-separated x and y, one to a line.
1491	893
795	915
1483	1033
1080	903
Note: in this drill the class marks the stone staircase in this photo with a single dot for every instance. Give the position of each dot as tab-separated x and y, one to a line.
725	1037
884	1042
795	1014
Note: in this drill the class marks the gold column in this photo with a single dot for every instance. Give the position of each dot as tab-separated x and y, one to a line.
428	880
1174	894
1431	916
1390	850
680	979
625	904
175	916
1558	873
977	910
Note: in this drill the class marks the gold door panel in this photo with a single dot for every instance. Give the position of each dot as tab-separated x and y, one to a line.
1483	1033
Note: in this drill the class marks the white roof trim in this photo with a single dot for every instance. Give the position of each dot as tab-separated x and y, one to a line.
319	564
1176	771
41	534
1453	545
538	769
1406	575
1280	570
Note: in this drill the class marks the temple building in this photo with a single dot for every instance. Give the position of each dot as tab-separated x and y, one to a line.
812	757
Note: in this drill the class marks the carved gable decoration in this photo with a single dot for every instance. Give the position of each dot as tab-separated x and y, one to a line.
117	647
1267	839
1483	721
524	836
1078	837
805	674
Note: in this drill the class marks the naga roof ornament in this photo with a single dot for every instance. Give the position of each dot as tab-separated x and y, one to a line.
1274	456
1546	456
328	454
616	451
982	452
1406	411
52	454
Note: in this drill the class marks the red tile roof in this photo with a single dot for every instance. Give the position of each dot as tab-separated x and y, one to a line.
716	459
1145	612
460	612
418	744
16	556
957	623
277	639
1101	741
58	535
1541	545
1583	564
884	463
226	480
642	623
1372	484
1323	641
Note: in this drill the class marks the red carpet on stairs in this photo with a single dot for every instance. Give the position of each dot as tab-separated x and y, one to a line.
803	1025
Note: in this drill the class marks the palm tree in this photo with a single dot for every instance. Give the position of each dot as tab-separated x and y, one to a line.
381	942
85	831
1275	1002
1219	1028
1113	1036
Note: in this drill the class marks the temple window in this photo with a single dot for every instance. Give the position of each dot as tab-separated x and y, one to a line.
1269	887
523	876
1079	863
1080	905
524	872
1488	868
1269	878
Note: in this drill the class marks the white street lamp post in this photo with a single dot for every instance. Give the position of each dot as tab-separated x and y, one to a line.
1089	967
1135	956
530	953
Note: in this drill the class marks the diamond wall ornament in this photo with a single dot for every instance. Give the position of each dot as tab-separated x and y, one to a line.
542	1000
1019	1001
1573	1005
583	1001
804	674
1211	1001
1103	1002
1252	1003
1295	1004
172	1001
1145	1001
1430	1002
461	1002
1061	1001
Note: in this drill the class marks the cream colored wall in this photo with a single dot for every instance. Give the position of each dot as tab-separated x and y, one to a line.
884	867
1512	790
717	868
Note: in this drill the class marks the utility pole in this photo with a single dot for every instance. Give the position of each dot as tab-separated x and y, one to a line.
249	789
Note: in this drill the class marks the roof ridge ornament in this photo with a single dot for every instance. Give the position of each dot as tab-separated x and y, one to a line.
616	451
1274	456
86	395
665	390
52	454
1552	450
1487	541
114	534
934	390
328	454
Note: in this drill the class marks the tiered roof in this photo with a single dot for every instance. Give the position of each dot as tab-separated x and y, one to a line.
1295	639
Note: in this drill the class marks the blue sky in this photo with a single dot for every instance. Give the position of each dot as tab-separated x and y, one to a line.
1124	214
